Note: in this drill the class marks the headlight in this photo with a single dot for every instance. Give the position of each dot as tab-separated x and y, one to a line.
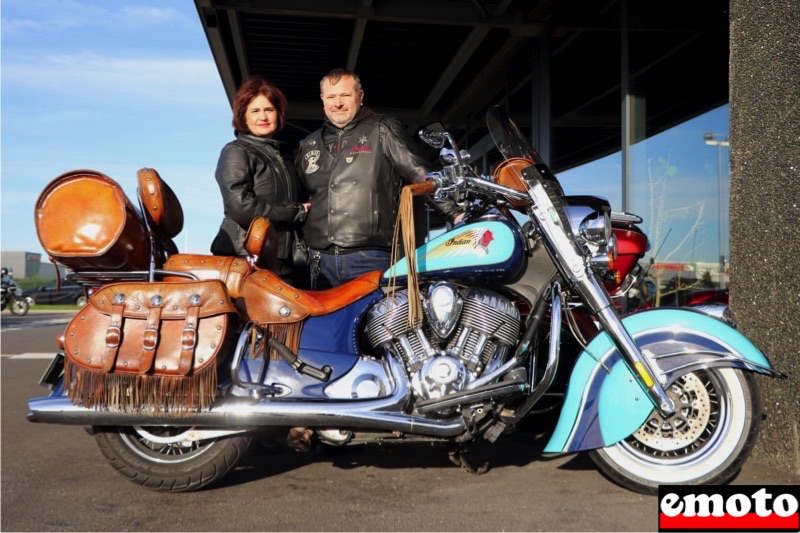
603	262
596	228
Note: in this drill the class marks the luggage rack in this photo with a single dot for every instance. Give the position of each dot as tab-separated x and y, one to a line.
99	279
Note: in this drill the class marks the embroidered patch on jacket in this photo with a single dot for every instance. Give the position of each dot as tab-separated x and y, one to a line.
311	157
361	148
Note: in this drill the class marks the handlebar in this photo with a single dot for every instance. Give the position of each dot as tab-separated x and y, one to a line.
438	181
425	188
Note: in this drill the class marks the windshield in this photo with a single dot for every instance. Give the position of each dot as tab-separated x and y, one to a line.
515	149
513	144
507	137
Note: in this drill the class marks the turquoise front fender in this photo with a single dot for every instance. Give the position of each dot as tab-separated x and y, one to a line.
605	403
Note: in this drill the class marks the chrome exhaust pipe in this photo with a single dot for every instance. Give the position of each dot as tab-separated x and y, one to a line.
248	413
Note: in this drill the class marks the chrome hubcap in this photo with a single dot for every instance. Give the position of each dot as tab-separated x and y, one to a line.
696	414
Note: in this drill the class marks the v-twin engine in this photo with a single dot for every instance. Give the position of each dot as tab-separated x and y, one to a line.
465	333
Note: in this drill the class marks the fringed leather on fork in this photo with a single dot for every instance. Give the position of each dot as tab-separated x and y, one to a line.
405	223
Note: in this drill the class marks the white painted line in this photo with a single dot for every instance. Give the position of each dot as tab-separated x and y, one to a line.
33	356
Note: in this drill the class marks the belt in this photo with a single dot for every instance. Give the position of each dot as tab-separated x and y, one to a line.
340	250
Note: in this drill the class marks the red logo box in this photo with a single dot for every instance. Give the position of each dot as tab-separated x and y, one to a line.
728	508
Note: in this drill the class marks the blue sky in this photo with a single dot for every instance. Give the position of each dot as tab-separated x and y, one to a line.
115	86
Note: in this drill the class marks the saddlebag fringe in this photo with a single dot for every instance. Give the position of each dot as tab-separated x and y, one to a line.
286	334
149	348
141	393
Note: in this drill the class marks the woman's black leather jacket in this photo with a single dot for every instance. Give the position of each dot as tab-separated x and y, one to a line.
255	179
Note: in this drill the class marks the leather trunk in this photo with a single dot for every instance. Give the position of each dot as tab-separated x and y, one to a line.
149	348
85	222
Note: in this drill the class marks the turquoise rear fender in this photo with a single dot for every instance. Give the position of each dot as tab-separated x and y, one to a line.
605	403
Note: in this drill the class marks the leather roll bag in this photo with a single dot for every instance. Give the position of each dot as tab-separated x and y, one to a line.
85	222
149	347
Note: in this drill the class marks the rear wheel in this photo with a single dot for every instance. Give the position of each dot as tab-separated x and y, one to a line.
20	306
170	459
717	420
81	300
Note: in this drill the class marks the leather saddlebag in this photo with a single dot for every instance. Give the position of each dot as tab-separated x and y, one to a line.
85	222
150	348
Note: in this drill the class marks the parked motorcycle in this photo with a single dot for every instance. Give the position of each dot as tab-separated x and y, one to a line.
10	298
177	367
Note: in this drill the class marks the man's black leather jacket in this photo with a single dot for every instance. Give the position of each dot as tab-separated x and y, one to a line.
255	180
354	176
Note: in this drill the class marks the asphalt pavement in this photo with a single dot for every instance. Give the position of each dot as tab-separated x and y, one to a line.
54	478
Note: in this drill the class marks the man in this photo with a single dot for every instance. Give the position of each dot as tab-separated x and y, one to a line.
7	278
353	168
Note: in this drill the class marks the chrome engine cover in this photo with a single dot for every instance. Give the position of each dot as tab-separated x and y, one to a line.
488	326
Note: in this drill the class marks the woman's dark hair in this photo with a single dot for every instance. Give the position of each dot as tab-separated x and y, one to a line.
249	90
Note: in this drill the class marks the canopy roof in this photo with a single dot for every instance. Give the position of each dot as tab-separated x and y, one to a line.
447	60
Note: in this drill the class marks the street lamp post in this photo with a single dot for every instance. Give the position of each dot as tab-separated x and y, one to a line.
712	139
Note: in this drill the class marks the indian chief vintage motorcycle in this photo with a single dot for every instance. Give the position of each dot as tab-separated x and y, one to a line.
179	360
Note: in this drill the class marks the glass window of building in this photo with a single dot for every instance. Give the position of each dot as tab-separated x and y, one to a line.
679	186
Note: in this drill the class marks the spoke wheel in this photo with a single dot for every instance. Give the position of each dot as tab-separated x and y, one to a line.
706	441
170	459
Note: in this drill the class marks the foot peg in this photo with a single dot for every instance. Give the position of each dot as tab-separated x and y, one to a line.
322	374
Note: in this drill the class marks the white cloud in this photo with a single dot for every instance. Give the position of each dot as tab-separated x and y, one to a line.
58	15
147	15
30	25
85	76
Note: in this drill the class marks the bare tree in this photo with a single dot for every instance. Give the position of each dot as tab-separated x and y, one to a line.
661	218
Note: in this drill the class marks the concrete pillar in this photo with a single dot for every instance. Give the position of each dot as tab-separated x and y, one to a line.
765	207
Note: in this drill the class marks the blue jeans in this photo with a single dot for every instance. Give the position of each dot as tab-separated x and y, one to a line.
339	269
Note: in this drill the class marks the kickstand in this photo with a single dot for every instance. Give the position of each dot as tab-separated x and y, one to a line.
456	456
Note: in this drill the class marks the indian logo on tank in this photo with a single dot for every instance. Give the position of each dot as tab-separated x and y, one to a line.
470	242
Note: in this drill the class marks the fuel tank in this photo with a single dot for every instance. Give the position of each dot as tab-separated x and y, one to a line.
487	251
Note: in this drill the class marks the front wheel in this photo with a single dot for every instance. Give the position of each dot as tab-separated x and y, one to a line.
170	459
20	306
706	441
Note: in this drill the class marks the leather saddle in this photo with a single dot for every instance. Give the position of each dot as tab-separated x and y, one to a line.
265	298
260	296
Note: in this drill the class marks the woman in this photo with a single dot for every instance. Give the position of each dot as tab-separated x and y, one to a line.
254	177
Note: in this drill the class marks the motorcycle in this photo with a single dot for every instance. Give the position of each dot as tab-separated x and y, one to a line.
17	305
513	311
